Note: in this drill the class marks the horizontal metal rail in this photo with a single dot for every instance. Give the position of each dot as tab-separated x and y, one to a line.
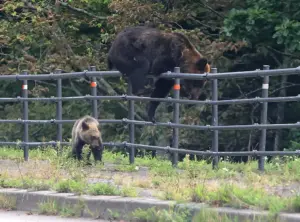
50	143
168	99
208	127
54	121
233	75
167	149
168	124
52	76
225	75
266	73
210	153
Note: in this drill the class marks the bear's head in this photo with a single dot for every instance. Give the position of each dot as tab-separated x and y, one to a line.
91	134
195	63
192	61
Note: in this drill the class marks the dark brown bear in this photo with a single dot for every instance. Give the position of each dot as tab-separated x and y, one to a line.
139	51
86	131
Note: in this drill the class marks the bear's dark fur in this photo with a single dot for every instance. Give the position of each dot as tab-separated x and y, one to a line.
86	131
141	50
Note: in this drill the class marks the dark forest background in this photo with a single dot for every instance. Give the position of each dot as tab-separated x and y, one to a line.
236	35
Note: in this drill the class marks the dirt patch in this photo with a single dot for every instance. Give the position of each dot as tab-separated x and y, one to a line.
140	179
109	174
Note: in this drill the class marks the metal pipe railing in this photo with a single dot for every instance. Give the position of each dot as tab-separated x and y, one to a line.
215	127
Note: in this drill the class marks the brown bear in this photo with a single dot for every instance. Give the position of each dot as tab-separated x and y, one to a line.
86	131
140	51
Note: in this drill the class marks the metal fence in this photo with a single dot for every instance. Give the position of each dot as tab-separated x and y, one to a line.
214	127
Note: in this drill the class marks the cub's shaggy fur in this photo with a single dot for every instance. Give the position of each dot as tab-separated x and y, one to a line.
86	131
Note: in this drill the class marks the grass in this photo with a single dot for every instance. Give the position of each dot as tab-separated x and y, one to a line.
48	208
7	203
70	186
51	207
237	185
103	189
204	215
157	215
232	195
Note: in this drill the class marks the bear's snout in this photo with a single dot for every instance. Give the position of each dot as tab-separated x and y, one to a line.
97	144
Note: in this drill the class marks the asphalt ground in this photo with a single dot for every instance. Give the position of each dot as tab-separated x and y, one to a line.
20	216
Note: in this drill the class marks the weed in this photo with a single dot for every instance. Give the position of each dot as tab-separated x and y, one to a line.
232	195
237	185
113	215
8	203
165	170
207	215
69	210
156	182
67	186
103	189
159	215
127	191
294	204
49	207
25	183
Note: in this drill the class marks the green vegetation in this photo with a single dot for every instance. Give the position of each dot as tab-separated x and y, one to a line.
41	36
232	195
51	207
48	208
7	203
234	35
158	215
103	189
204	215
211	216
238	185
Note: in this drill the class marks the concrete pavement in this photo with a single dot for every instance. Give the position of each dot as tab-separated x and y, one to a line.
20	216
102	206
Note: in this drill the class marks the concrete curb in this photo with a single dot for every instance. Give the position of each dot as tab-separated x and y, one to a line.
101	206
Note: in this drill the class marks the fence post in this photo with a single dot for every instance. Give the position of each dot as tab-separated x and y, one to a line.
263	120
59	111
94	93
25	116
214	121
176	91
131	125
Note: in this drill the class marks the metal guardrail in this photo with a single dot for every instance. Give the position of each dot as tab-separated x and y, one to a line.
214	127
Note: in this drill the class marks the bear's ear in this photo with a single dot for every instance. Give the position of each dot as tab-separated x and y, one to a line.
84	126
202	65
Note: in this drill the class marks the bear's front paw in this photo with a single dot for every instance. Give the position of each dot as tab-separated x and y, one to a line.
152	119
151	115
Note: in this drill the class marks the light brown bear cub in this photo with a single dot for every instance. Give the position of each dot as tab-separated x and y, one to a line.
86	131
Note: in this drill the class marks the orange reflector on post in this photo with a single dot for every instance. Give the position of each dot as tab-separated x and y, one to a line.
176	87
93	84
24	86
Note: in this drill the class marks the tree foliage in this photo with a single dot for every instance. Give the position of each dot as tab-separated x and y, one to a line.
41	36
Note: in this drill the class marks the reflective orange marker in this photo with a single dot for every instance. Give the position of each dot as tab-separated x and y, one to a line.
176	87
93	84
